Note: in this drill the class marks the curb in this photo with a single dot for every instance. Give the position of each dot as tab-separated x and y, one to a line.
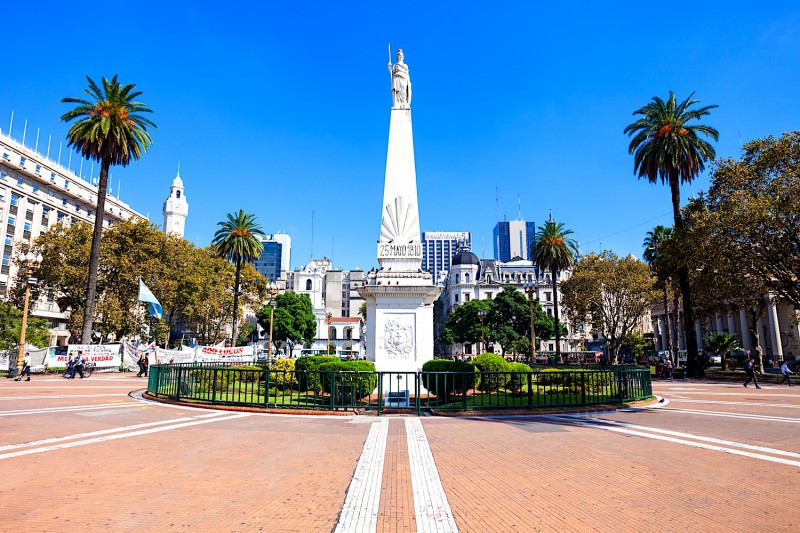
528	412
273	411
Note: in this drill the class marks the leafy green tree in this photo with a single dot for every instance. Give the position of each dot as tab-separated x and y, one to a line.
465	324
293	320
237	239
667	148
554	250
245	334
510	320
655	256
722	343
109	128
36	332
611	293
636	344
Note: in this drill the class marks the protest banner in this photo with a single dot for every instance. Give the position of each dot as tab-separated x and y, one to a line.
216	354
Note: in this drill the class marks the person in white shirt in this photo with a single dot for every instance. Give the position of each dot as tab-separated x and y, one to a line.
786	372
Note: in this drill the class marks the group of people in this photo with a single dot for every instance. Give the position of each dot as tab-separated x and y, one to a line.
750	369
665	369
143	364
75	366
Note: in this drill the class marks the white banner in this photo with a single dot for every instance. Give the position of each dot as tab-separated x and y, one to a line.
214	354
131	354
184	355
102	355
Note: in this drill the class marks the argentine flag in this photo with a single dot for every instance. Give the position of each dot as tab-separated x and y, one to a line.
146	296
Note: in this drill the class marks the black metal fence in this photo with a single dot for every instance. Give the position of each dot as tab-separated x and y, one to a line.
408	391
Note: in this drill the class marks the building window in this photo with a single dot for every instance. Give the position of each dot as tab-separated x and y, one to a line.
11	221
457	278
548	296
14	199
35	188
5	156
488	295
9	240
22	161
66	184
38	169
64	201
466	278
6	259
20	181
332	333
456	298
177	194
53	177
27	226
466	297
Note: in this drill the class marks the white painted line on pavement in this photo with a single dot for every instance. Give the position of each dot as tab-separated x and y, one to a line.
755	404
713	440
44	410
61	397
119	436
676	441
102	432
734	415
360	511
430	501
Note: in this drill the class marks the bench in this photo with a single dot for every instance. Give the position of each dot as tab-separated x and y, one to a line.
396	399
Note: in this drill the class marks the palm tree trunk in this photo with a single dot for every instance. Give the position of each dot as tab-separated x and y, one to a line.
94	255
555	315
236	301
666	319
694	368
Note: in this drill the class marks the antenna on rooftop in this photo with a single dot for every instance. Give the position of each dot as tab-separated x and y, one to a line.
497	204
59	151
49	138
36	145
11	124
312	234
24	131
519	207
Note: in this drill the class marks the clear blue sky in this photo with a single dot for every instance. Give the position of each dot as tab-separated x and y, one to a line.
283	109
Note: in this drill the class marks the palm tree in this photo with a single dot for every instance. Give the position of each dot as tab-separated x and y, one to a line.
654	244
238	241
109	129
666	148
554	250
722	343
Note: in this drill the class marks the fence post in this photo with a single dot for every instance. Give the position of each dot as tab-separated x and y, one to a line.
380	392
266	387
583	388
333	389
214	388
465	388
178	384
530	390
416	392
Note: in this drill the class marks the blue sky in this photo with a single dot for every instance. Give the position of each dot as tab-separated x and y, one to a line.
282	109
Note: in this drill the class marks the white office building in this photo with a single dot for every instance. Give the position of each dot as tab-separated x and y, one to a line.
37	192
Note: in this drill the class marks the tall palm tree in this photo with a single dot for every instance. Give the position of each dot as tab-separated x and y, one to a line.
238	241
554	250
654	244
108	128
666	148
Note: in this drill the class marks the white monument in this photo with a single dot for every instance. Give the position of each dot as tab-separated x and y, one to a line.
400	295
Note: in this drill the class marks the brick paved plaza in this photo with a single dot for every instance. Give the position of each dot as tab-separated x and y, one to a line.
86	456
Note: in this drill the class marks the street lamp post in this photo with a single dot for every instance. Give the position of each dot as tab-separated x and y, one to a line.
272	293
530	290
29	263
482	315
328	317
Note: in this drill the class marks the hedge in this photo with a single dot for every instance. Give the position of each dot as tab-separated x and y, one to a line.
307	366
358	377
204	380
443	385
282	374
490	362
517	381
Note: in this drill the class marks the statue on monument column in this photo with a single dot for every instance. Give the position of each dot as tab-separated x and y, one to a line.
401	83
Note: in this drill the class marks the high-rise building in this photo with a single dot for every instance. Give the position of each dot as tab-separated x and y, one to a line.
513	239
36	193
176	208
438	249
273	263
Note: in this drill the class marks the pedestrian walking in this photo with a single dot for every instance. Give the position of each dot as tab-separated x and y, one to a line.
78	365
26	367
70	371
142	367
146	365
750	370
786	372
669	368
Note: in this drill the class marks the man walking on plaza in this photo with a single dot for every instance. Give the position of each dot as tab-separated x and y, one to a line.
26	367
78	365
750	370
786	372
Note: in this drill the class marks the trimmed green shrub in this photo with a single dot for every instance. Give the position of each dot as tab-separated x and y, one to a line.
247	373
306	367
517	381
205	382
489	362
355	379
282	374
443	385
